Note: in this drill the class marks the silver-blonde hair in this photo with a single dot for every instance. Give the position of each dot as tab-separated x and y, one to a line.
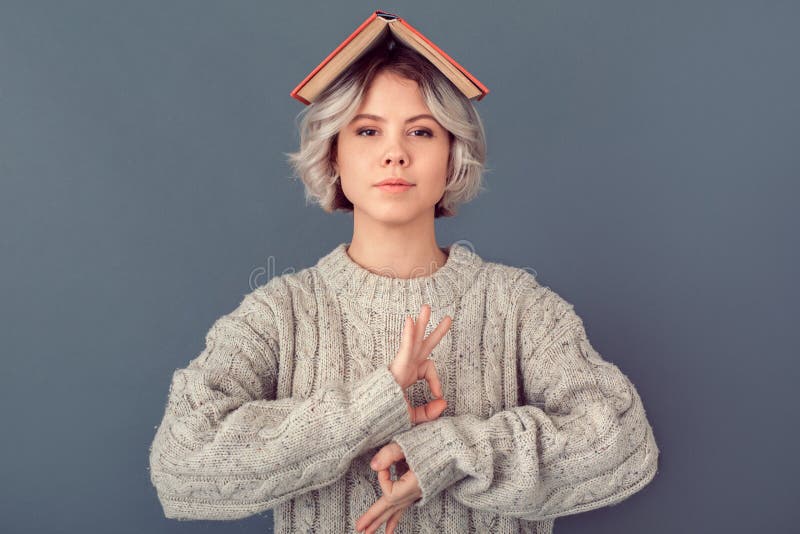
321	121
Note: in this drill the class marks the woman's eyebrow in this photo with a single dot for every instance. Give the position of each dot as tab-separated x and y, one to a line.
381	119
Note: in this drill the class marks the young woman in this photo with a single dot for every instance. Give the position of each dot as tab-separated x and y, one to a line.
319	389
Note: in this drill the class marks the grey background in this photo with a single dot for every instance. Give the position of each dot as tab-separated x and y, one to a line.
643	162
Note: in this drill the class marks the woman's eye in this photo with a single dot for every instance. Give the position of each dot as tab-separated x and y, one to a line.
417	133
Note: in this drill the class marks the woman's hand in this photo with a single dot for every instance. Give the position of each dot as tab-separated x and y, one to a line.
412	364
397	495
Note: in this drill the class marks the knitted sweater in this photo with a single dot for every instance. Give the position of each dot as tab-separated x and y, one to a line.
292	396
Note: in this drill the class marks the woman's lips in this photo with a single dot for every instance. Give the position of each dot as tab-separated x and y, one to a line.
395	188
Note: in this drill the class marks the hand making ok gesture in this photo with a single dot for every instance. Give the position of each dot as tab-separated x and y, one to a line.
411	363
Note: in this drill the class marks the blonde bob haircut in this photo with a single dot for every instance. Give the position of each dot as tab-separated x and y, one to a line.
321	121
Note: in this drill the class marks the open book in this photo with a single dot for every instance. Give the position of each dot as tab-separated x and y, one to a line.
372	29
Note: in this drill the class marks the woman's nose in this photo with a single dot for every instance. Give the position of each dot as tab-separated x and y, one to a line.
394	158
395	154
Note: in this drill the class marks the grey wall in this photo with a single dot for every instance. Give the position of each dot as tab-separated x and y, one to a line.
643	162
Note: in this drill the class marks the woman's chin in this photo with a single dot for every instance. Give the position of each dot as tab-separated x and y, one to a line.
398	214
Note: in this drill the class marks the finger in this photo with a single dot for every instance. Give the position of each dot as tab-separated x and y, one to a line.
385	480
419	327
429	412
376	524
405	353
393	521
375	511
427	370
389	454
407	340
433	339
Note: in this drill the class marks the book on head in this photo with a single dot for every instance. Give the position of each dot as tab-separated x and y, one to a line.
375	27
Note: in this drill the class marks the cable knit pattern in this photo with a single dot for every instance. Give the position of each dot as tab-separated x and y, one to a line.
292	396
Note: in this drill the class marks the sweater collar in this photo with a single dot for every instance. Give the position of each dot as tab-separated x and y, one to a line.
353	282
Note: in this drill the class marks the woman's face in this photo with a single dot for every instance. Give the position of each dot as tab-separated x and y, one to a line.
393	135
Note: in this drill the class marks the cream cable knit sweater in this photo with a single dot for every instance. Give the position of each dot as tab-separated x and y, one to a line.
292	397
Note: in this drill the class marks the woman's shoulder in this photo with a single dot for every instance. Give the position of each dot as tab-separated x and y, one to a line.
263	313
274	298
519	284
284	290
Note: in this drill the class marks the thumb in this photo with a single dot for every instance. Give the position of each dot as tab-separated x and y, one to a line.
428	412
437	407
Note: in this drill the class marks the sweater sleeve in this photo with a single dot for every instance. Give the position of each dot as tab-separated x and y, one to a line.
226	448
580	441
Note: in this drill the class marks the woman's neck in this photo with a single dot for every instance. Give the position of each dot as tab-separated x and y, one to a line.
397	254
